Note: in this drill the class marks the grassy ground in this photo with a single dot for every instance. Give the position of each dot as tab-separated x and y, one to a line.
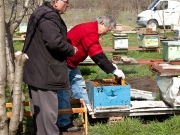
135	126
129	126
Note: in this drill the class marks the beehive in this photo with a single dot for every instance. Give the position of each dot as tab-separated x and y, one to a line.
120	41
171	50
148	41
108	93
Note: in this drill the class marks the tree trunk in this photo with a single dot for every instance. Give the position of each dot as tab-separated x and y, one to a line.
3	116
20	60
7	65
10	28
164	24
9	58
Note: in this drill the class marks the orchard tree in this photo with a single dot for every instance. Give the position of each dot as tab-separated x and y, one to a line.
3	117
11	67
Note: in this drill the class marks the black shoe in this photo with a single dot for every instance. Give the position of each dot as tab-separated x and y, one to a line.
69	128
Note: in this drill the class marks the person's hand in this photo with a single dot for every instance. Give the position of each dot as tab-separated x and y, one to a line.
119	73
115	65
75	50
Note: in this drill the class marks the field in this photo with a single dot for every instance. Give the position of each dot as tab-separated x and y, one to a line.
139	77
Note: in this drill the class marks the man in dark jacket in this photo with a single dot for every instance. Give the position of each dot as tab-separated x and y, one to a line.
46	71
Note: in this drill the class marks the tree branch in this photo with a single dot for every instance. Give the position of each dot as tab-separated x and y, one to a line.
16	23
13	12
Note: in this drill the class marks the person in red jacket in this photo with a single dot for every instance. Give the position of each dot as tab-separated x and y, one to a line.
85	37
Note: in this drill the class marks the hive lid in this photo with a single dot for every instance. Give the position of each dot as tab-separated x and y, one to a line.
119	35
171	43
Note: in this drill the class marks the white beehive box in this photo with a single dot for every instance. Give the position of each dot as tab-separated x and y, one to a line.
120	41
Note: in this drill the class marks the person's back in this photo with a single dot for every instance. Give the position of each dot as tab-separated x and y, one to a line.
86	38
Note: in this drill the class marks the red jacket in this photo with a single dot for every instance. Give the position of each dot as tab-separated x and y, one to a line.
86	38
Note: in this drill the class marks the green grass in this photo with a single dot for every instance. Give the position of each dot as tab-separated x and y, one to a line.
133	39
131	71
128	127
18	45
145	55
135	126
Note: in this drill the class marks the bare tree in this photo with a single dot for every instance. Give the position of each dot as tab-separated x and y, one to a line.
15	91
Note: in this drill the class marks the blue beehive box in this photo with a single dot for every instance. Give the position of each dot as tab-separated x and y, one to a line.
108	96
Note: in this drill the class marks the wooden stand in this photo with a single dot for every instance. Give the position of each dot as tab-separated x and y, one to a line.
26	113
82	110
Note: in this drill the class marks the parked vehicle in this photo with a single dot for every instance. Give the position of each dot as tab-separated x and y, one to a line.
160	13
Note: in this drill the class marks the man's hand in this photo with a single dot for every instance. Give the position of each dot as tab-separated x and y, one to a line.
119	73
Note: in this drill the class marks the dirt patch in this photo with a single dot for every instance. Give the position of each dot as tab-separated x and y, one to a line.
127	28
143	83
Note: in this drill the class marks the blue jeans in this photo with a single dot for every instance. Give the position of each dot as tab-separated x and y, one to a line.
78	90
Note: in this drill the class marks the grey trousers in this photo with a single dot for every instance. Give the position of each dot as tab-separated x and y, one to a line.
44	108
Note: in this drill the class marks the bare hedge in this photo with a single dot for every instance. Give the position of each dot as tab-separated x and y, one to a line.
124	11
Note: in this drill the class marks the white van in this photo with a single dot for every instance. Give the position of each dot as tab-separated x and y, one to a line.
159	13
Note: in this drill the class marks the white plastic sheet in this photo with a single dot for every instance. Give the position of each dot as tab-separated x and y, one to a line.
170	89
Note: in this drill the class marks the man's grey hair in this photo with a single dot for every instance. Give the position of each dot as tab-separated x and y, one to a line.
108	21
51	1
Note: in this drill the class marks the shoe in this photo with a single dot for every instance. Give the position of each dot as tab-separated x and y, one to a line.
69	128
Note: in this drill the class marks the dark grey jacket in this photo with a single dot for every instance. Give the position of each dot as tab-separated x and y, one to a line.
47	48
